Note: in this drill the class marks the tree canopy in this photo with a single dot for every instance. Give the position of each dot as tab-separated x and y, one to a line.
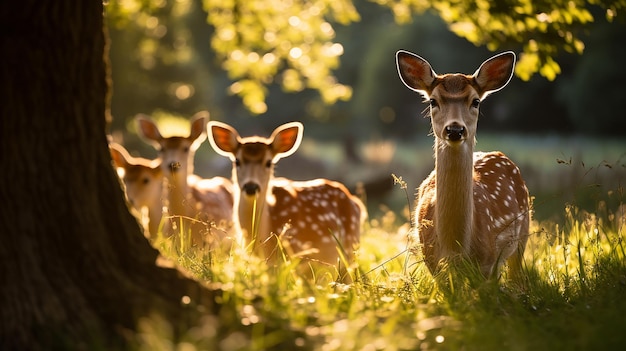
292	42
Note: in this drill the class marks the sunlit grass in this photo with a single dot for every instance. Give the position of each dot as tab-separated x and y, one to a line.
572	297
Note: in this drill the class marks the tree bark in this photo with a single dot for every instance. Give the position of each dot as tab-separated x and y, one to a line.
75	270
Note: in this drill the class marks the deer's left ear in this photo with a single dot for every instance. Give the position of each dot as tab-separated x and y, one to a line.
495	73
286	139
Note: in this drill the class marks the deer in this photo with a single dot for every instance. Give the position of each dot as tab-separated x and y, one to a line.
143	185
191	200
473	205
318	220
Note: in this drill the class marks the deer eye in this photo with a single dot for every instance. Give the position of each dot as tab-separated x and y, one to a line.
268	164
237	162
186	149
145	180
433	103
475	103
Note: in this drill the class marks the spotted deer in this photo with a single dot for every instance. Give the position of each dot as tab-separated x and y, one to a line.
473	205
316	219
143	184
190	200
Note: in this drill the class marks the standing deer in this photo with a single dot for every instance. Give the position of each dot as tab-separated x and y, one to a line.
143	183
473	205
191	200
315	218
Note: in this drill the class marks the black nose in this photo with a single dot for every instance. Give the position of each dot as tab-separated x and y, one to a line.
455	132
251	188
174	166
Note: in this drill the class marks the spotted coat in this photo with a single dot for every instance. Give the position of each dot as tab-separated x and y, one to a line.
318	215
501	215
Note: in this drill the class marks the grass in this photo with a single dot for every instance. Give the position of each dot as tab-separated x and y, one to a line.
573	297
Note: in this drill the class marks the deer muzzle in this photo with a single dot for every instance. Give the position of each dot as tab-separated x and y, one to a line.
251	188
455	132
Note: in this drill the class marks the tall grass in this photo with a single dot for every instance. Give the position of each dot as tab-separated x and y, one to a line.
572	297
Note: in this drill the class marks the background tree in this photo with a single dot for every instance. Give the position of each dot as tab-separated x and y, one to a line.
75	270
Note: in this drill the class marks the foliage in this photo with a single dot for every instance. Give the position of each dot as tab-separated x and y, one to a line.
257	40
542	27
291	42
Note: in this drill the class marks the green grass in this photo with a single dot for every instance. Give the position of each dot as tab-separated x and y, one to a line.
572	299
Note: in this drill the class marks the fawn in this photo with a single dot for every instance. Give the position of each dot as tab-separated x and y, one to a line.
191	201
473	205
318	220
143	184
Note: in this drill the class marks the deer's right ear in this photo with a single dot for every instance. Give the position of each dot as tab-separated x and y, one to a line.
223	138
415	72
286	139
148	129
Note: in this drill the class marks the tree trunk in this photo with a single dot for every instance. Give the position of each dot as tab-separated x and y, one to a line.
75	270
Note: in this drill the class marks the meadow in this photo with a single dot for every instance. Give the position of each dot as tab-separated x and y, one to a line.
572	297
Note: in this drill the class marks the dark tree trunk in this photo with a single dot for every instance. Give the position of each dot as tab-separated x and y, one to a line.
75	269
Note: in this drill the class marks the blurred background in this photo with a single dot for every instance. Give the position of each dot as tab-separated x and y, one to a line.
568	136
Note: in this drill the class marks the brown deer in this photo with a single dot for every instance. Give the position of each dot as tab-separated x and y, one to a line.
473	205
190	200
315	219
143	184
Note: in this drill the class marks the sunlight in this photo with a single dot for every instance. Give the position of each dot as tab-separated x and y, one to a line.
253	57
294	21
183	91
269	58
543	17
334	49
152	22
295	53
236	55
327	28
269	36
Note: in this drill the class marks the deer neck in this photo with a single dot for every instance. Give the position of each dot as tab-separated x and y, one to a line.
454	190
253	217
178	192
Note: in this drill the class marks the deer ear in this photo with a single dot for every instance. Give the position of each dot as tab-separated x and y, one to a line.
286	139
495	73
415	72
198	129
148	130
119	155
223	138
